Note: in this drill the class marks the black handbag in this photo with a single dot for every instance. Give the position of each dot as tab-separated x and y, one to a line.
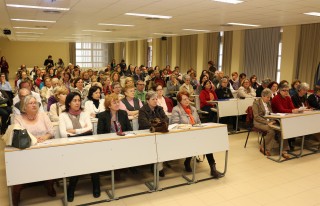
158	125
21	139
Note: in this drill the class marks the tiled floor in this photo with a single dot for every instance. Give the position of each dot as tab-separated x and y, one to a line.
251	179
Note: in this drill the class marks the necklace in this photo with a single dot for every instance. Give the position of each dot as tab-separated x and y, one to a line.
31	117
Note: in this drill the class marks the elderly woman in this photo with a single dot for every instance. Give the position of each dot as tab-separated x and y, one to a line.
187	85
130	104
262	107
149	112
45	91
40	126
300	98
246	91
74	122
164	102
208	94
60	94
95	104
184	113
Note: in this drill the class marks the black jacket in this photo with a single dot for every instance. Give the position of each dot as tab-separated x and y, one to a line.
224	93
104	122
146	115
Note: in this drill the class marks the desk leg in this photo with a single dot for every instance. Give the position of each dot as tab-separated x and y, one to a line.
153	186
301	149
111	194
10	195
225	163
65	199
193	180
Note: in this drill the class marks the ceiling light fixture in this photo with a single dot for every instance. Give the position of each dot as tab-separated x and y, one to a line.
197	30
149	15
165	34
97	31
37	7
313	13
21	27
103	24
32	36
229	1
33	20
27	32
241	24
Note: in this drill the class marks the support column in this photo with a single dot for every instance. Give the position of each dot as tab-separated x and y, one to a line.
201	64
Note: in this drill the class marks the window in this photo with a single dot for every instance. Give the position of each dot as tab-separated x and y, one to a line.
91	55
149	51
220	51
279	57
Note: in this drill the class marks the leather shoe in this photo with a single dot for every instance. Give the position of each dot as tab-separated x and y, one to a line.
96	192
267	152
161	173
285	155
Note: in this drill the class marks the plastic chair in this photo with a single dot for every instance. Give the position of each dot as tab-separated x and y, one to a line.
261	133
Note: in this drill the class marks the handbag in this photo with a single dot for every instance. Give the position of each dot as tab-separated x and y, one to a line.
158	125
21	139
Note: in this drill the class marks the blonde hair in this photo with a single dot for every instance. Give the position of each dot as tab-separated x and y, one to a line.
59	90
25	102
108	99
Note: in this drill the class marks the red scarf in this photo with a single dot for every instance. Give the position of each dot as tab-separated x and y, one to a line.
74	112
189	112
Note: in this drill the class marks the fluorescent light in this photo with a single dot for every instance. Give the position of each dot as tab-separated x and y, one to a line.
27	35
200	30
97	31
27	32
37	7
241	24
229	1
165	34
33	20
103	24
313	13
149	15
21	27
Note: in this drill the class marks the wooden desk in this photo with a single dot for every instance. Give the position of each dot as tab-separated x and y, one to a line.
94	122
195	141
65	157
296	125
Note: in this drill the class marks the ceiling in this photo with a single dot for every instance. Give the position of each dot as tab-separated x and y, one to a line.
186	14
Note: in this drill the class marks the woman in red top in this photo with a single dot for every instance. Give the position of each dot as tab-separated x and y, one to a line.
207	94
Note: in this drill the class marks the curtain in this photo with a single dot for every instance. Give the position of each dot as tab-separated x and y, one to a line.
132	51
72	53
143	52
169	51
122	51
261	48
212	48
309	53
227	52
188	52
109	53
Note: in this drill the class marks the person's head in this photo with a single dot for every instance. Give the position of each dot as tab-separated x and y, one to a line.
112	102
284	90
266	95
253	79
25	84
129	81
207	85
283	82
152	98
23	92
203	78
107	81
245	83
66	76
316	91
47	82
210	63
73	102
173	77
51	71
85	75
137	71
295	84
303	89
29	105
116	87
55	82
183	98
90	72
115	77
265	83
24	75
273	86
3	59
94	93
157	73
78	82
186	78
224	82
140	85
2	77
49	57
242	76
220	74
129	91
234	75
60	93
158	89
151	73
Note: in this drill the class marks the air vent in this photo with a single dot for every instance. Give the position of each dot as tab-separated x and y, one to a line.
152	18
226	25
52	11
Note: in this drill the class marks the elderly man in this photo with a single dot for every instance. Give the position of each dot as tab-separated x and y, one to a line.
140	93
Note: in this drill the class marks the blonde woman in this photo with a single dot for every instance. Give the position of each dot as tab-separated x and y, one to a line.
56	109
246	91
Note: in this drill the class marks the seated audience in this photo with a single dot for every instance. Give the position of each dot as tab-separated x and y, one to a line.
299	99
60	94
107	88
173	86
4	84
40	126
95	103
246	91
79	87
116	88
314	99
262	107
165	102
264	84
75	122
294	87
234	81
273	86
253	82
282	103
140	93
184	113
187	85
5	110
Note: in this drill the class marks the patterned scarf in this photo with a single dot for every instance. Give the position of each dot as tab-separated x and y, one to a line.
189	112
